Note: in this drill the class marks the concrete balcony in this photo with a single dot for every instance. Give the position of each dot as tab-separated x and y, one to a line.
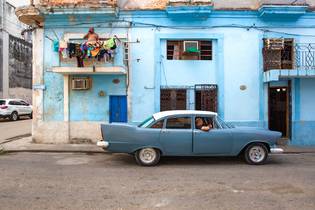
90	70
29	15
192	9
287	8
299	63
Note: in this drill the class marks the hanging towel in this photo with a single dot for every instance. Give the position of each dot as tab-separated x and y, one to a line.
56	45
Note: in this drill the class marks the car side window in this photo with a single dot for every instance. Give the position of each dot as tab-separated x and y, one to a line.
23	103
12	103
158	124
18	103
178	123
206	121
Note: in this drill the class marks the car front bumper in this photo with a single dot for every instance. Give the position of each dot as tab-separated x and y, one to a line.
103	144
276	150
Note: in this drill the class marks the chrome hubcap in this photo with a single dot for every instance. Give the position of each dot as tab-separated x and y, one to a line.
147	155
14	117
257	154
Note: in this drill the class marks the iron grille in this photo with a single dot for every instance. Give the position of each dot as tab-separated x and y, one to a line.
305	56
206	97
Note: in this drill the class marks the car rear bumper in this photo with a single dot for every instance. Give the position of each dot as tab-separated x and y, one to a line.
276	150
103	144
4	115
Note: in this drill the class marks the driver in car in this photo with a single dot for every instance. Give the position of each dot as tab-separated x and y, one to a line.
202	125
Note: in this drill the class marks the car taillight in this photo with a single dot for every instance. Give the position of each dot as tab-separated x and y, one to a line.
3	107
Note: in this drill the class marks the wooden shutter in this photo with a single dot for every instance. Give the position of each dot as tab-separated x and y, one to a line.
272	56
287	54
172	99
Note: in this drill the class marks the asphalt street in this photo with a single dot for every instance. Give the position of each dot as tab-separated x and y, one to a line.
114	181
9	129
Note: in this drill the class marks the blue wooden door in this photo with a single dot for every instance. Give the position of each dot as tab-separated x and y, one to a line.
118	109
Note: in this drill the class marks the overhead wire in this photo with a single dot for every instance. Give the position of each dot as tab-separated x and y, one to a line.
265	29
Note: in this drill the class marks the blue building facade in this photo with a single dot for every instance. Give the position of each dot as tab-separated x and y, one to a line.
255	67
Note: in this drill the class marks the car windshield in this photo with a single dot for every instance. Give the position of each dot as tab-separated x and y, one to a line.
223	124
2	102
146	122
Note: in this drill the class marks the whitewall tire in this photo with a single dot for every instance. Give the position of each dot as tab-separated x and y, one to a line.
256	154
147	156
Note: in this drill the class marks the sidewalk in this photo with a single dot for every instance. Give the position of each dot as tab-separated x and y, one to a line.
26	145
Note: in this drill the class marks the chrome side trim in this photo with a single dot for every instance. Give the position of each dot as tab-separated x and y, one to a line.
276	150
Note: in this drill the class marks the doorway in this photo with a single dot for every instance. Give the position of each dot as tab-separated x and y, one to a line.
279	109
206	97
118	109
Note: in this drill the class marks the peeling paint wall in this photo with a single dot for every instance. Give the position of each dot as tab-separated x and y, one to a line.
140	4
91	3
279	2
162	4
20	69
235	4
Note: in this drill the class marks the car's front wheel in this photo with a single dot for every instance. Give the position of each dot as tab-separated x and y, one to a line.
256	154
147	156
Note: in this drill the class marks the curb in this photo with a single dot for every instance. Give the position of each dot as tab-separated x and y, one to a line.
16	138
53	151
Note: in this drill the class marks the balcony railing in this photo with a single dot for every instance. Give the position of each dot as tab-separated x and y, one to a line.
305	56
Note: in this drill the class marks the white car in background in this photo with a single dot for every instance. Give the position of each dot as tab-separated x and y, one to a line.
14	108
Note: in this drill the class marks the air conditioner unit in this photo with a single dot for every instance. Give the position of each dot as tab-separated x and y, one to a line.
190	45
81	83
275	44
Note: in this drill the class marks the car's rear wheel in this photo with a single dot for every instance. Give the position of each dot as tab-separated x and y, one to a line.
31	115
256	154
14	116
147	156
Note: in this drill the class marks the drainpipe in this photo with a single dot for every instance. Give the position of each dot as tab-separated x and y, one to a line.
129	73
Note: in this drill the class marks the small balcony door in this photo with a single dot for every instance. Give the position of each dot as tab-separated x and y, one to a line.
279	110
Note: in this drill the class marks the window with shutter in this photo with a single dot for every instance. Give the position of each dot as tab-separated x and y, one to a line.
172	99
278	54
189	50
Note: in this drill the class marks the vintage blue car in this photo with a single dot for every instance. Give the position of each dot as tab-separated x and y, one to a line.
188	133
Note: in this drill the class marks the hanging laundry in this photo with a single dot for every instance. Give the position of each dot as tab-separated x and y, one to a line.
91	49
110	44
64	53
63	44
71	50
56	45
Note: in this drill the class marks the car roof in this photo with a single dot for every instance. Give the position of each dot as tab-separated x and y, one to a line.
163	114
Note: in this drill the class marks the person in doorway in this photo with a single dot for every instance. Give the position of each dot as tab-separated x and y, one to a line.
201	125
91	36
